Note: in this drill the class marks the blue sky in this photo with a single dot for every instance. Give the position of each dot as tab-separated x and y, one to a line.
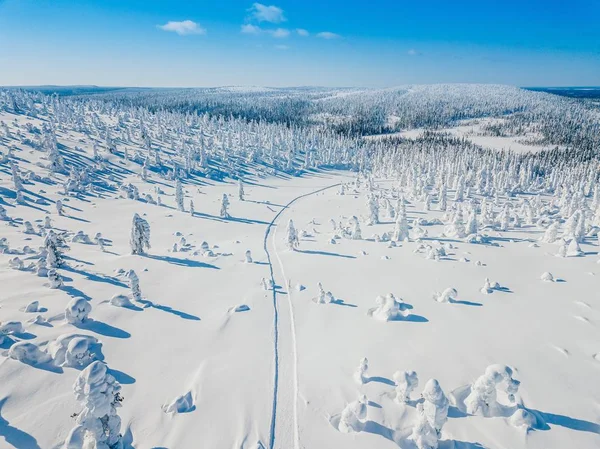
292	43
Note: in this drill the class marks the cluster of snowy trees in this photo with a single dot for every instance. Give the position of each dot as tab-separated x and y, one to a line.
479	398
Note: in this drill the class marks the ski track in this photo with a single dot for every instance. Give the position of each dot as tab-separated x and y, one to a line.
284	428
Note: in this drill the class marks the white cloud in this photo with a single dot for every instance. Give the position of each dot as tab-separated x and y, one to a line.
301	32
280	33
413	52
264	13
282	47
251	29
328	35
183	28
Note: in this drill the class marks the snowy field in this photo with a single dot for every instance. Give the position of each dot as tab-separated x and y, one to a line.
236	331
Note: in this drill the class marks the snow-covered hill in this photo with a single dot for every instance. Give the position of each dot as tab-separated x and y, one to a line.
290	304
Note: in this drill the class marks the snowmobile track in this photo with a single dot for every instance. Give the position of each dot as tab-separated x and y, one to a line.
282	427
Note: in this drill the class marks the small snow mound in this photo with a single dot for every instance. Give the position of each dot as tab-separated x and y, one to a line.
300	287
546	276
11	327
28	353
121	301
241	308
32	307
181	404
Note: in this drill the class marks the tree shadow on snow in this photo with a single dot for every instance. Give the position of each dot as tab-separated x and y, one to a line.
121	377
340	302
179	313
15	437
324	253
96	277
103	329
383	380
568	422
182	262
465	303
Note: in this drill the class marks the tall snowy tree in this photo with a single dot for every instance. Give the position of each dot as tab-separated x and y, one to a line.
224	213
140	235
291	236
179	195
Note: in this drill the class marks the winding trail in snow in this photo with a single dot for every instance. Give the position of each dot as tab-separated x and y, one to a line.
284	416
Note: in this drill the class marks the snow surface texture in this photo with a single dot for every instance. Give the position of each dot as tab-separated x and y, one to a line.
286	372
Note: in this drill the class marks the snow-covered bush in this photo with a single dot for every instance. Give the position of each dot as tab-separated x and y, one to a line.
81	237
483	396
248	256
353	416
447	295
406	382
389	308
324	297
74	350
77	310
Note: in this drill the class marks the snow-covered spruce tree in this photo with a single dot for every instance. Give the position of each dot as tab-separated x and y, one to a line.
355	233
59	207
16	177
52	244
373	205
54	278
360	375
240	190
456	228
291	236
471	228
551	234
435	405
423	434
134	285
3	215
406	382
401	229
139	240
98	426
443	199
179	195
224	213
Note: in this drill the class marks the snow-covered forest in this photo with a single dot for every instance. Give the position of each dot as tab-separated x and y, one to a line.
269	268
